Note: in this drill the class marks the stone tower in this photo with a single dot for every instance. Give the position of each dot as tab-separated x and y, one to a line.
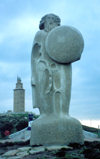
19	97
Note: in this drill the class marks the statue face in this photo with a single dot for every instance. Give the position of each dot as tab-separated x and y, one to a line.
49	23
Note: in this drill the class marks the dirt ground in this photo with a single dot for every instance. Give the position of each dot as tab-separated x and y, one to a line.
90	150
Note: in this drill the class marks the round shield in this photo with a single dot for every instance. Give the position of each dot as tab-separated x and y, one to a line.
64	44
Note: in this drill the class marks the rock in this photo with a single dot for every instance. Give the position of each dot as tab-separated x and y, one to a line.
57	147
22	153
21	149
90	150
36	150
15	157
10	153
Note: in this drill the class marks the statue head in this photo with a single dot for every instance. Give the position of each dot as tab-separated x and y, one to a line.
49	21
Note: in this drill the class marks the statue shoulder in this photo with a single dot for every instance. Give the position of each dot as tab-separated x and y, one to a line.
38	41
40	35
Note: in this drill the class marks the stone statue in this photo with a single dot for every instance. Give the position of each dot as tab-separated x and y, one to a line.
52	54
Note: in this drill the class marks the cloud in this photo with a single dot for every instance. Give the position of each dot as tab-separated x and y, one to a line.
17	37
1	38
19	23
20	29
6	105
11	69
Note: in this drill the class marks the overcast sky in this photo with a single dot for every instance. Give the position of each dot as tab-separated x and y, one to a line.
19	20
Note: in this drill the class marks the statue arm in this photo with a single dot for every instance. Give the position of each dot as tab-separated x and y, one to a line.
35	54
34	57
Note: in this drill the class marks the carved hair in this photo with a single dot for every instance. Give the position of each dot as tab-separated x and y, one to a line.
55	18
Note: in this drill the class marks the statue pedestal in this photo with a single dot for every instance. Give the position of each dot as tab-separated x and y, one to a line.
56	130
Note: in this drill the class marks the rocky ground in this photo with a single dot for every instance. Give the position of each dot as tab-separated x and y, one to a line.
23	150
16	148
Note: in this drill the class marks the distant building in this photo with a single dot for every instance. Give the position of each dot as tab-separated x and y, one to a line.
19	97
9	111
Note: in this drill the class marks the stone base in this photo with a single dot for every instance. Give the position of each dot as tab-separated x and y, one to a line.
53	130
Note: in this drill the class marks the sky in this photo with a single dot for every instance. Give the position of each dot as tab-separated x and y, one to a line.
19	21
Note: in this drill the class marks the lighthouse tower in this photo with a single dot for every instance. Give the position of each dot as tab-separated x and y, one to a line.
19	97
